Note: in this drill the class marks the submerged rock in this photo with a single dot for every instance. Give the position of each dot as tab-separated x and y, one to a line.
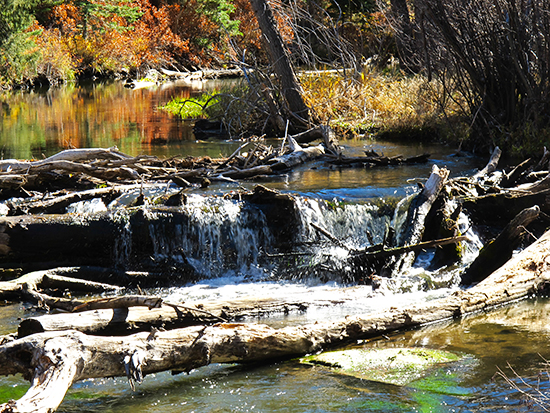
399	366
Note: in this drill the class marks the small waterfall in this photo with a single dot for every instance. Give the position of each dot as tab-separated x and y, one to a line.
217	236
122	251
350	223
329	233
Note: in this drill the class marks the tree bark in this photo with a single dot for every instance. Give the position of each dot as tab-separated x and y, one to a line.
53	361
291	89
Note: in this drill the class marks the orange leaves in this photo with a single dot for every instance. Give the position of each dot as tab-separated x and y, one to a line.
108	36
101	40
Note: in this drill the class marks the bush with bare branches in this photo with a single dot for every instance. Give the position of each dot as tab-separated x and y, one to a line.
497	53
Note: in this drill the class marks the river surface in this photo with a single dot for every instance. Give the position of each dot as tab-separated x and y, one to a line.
40	123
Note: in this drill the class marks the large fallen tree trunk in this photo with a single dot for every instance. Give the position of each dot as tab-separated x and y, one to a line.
53	361
155	313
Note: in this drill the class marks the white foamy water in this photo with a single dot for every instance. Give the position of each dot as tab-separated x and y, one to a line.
329	301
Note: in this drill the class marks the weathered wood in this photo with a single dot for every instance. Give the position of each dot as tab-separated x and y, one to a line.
379	160
55	360
248	173
58	204
419	208
120	302
123	320
298	156
491	165
498	251
28	287
510	179
69	155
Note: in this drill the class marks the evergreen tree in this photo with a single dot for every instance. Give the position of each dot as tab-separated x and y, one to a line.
17	59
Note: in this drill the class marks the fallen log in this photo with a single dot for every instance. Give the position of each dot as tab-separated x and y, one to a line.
53	361
53	280
510	179
498	251
58	204
69	155
30	288
297	156
420	206
123	320
491	165
249	172
378	160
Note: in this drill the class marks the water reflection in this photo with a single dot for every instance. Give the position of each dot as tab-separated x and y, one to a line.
37	123
34	124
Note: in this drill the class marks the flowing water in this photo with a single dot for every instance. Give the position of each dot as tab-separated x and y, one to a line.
234	249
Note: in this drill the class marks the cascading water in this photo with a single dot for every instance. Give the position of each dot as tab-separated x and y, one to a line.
218	236
225	236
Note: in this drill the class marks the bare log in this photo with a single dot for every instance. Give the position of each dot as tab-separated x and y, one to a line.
52	280
417	212
497	252
53	361
58	204
379	160
75	167
298	156
491	165
69	155
123	319
515	174
248	173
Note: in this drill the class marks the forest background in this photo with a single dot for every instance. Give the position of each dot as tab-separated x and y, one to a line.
473	73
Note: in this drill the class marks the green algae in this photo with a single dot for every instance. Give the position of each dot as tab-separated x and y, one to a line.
399	366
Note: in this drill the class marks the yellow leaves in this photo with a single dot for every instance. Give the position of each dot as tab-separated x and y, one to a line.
390	102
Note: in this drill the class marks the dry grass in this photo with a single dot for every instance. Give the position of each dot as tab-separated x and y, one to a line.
389	103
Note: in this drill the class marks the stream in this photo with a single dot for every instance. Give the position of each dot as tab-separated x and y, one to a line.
40	123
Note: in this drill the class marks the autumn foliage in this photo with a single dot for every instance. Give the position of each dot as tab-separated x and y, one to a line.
132	36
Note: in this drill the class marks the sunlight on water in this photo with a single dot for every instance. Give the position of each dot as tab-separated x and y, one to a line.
487	340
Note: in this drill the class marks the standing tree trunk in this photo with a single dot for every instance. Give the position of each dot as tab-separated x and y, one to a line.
291	89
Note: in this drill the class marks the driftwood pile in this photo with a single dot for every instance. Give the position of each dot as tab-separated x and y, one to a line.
134	336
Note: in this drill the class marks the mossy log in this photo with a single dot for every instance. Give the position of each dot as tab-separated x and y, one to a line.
53	361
